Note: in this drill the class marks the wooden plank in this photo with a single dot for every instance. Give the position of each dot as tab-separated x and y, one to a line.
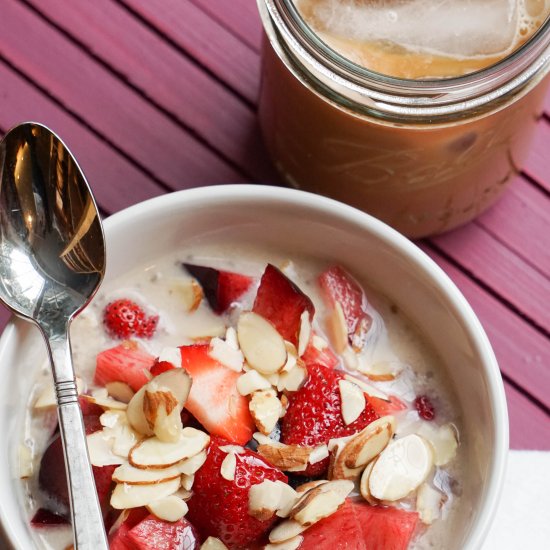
195	31
116	182
538	163
172	81
239	16
497	266
151	138
523	353
520	219
529	425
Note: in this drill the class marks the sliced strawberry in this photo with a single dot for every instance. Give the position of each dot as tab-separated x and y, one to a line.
324	357
282	303
214	400
359	526
221	288
155	534
383	407
314	414
119	539
219	507
339	286
161	366
124	318
126	362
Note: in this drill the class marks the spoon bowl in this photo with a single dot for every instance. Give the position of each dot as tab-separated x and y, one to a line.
52	261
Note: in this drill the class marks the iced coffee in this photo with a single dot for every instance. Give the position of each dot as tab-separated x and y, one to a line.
418	112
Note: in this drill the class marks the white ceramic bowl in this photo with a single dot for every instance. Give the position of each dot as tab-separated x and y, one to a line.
299	222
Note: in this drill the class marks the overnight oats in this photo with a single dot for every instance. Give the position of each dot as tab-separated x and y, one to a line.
417	112
265	402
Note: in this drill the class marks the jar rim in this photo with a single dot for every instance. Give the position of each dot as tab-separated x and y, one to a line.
401	96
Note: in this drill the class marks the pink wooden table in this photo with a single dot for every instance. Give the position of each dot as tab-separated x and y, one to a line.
159	95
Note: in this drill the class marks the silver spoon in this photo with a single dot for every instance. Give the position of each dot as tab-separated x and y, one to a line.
52	261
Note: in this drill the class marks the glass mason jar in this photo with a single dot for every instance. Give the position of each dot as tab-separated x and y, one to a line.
423	155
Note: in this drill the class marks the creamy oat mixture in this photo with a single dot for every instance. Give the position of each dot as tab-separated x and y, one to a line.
391	342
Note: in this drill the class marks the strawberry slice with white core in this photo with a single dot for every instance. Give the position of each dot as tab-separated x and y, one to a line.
214	400
126	363
340	287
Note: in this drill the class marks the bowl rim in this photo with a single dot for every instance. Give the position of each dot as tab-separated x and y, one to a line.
242	193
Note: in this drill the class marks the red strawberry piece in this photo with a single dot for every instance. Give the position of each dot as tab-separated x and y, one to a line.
365	527
282	303
161	366
88	408
152	533
339	286
324	357
314	414
221	288
383	407
425	407
46	517
126	362
119	539
219	507
53	481
214	400
124	318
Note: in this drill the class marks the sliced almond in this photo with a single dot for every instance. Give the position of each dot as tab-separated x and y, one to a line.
400	469
367	388
292	380
286	530
252	381
153	453
318	453
100	449
263	499
120	391
305	487
122	517
265	408
286	457
46	398
187	482
304	335
26	462
338	328
291	358
287	501
131	496
126	473
190	293
162	413
353	401
228	466
226	354
383	371
184	494
341	487
237	449
101	398
290	544
231	338
316	505
428	503
192	465
261	344
264	440
118	430
369	442
443	440
170	508
364	485
212	543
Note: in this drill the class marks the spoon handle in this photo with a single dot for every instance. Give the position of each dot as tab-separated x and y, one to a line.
88	528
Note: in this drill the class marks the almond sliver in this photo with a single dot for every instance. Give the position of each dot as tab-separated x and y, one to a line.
131	496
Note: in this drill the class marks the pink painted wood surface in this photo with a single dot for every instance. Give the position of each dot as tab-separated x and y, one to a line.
159	95
105	103
523	353
166	76
206	40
